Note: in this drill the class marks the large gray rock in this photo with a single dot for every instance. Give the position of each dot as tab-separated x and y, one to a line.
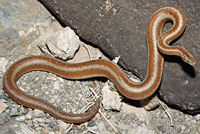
119	29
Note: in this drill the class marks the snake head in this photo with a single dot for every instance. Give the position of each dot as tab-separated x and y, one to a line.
188	58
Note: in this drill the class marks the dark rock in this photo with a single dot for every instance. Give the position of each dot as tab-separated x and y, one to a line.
119	29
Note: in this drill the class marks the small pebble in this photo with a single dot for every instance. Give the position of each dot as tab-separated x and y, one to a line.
3	63
3	105
29	115
38	113
38	120
20	118
161	128
14	111
52	124
62	125
1	92
56	85
51	132
197	117
45	130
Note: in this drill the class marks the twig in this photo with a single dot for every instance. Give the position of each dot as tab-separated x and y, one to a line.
68	129
112	126
94	93
90	130
44	50
195	131
170	118
88	51
103	115
86	108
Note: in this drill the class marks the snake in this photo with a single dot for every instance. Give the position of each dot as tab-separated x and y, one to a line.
157	42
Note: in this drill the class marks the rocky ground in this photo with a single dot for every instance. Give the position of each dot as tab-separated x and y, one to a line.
26	24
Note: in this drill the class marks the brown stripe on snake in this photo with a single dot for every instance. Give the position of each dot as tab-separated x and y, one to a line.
104	68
